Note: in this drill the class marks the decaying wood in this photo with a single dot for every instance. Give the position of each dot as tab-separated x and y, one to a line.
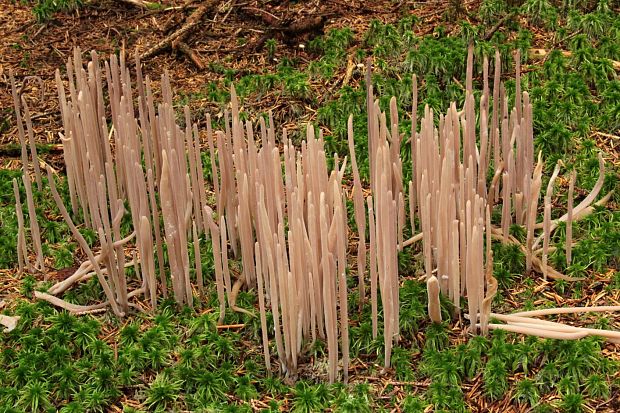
286	31
295	27
308	24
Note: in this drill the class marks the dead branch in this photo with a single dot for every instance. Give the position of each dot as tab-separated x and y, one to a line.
181	34
189	52
497	26
288	32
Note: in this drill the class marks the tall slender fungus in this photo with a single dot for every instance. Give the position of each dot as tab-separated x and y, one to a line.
360	216
84	245
22	251
282	208
34	225
434	308
547	219
569	217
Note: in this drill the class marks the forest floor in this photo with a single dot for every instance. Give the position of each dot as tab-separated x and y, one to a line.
230	38
249	43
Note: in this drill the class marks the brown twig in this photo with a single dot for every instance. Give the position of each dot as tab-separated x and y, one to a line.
497	26
178	36
189	52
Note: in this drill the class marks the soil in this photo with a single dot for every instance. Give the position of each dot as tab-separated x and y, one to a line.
232	36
